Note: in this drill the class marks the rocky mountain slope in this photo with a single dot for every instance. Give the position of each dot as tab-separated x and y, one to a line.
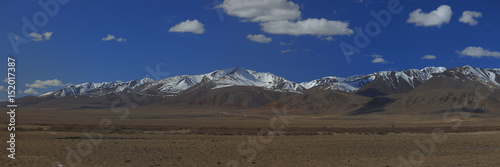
428	90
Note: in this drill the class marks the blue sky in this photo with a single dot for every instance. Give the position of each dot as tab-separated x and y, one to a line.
296	39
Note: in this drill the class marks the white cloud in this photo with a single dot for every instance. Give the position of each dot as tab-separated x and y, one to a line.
31	91
428	57
327	38
286	44
319	27
470	17
435	18
44	84
283	17
47	35
108	38
259	38
112	37
121	40
36	37
478	52
286	50
379	59
193	26
262	10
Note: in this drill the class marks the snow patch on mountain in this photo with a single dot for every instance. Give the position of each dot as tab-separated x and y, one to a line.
224	78
98	89
242	77
411	76
354	83
485	76
433	70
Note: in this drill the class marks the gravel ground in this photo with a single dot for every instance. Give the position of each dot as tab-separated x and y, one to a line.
46	148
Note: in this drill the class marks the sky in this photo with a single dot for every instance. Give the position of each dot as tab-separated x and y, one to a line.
62	42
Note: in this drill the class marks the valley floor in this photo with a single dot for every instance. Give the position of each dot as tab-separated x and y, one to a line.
51	148
190	137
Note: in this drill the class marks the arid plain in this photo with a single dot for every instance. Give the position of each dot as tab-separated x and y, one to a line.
153	137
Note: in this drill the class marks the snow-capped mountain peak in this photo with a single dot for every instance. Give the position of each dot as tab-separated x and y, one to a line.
488	77
353	83
391	81
223	78
98	89
349	84
433	70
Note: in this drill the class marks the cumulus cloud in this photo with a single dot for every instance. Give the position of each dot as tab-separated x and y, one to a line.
478	52
31	91
121	39
286	50
36	37
108	38
112	37
262	10
286	44
428	57
327	38
39	37
379	59
283	17
469	17
318	27
435	18
44	84
259	38
192	26
47	35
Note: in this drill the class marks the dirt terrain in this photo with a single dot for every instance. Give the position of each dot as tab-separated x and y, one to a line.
45	148
195	137
203	117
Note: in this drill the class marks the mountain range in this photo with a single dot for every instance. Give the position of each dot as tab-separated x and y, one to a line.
242	77
433	89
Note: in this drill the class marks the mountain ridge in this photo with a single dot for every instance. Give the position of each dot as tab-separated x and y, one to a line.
239	76
429	90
